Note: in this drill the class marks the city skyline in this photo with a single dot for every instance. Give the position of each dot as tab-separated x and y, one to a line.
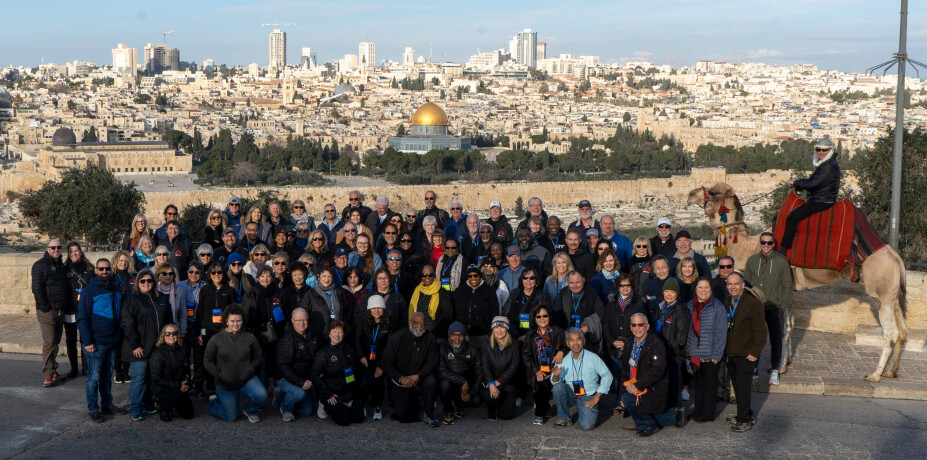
848	35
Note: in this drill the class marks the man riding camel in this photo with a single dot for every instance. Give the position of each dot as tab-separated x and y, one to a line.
822	188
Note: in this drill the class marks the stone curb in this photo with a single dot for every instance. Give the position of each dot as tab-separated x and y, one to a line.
886	389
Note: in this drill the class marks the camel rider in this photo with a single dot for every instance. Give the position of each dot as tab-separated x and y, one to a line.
822	188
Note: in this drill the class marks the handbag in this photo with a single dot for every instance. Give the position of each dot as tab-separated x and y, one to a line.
270	332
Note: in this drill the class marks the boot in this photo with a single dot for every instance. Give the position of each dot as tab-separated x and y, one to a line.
680	417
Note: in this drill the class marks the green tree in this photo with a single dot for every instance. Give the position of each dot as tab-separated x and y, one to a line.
401	130
626	117
90	135
519	207
86	204
142	99
193	216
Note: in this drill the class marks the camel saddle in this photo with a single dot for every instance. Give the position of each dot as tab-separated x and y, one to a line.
830	239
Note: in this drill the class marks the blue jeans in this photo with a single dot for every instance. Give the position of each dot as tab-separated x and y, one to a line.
139	392
99	381
225	406
295	398
642	421
564	397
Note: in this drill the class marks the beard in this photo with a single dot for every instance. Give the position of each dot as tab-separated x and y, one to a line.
416	332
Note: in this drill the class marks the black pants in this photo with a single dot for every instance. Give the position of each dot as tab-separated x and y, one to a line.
797	215
704	391
202	380
173	398
406	402
542	395
344	415
120	367
372	388
504	405
774	325
70	342
451	395
741	370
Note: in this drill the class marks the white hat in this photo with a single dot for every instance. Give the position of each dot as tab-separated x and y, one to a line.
495	204
375	301
664	221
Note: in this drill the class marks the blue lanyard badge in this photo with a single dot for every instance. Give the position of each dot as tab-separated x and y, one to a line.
331	305
278	312
578	388
349	375
523	321
373	346
730	315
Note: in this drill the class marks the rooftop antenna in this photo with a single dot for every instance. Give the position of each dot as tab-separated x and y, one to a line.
164	36
429	52
901	59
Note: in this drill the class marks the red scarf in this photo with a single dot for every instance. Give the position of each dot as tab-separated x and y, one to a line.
436	253
698	306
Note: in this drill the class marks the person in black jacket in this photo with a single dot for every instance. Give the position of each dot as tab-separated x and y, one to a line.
500	370
215	297
334	378
581	307
142	320
524	302
79	272
295	356
579	256
179	247
460	371
52	293
212	232
266	319
409	361
327	303
616	328
822	188
672	325
396	305
170	374
475	305
544	346
370	340
645	380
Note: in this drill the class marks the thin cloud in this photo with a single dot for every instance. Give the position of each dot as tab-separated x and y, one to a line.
763	53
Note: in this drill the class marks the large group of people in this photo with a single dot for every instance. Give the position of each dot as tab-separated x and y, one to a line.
421	310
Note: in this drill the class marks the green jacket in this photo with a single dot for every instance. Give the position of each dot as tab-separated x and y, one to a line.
773	275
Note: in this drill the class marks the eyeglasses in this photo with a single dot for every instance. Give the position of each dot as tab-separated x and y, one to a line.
641	246
215	217
170	214
542	316
725	266
624	285
260	254
638	324
664	226
299	207
104	269
428	275
529	277
329	210
162	254
767	243
233	204
146	281
390	233
429	198
279	262
350	230
410	216
353	199
394	259
171	333
820	150
456	208
193	272
167	274
404	240
234	264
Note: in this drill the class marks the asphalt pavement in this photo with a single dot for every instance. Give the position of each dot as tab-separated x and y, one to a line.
52	423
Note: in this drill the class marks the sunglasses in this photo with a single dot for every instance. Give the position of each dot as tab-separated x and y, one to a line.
529	277
215	217
353	199
193	272
318	239
472	275
54	248
233	204
279	263
428	275
205	255
234	264
302	230
451	247
410	216
167	274
146	281
215	273
170	214
429	198
624	285
821	150
329	210
260	254
456	209
390	233
767	243
542	316
405	241
395	259
352	230
308	265
104	269
171	334
641	246
664	226
638	324
162	254
725	266
485	231
299	207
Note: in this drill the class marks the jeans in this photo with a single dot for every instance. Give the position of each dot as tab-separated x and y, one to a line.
294	398
99	381
139	391
225	406
642	421
564	397
774	325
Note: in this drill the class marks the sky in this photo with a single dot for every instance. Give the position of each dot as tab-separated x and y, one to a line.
846	35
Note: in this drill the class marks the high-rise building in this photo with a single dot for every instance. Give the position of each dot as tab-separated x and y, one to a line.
154	58
526	48
307	58
125	60
542	51
367	55
171	59
209	65
408	57
277	49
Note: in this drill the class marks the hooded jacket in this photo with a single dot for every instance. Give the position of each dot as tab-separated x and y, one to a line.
99	312
824	183
142	320
773	275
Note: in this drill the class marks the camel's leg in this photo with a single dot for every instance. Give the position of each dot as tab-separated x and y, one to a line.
892	370
787	341
889	337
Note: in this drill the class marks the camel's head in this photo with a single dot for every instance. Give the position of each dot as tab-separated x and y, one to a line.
717	200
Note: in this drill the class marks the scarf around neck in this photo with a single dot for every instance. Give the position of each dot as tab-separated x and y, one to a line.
432	291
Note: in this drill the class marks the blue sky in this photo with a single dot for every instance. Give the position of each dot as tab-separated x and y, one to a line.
847	35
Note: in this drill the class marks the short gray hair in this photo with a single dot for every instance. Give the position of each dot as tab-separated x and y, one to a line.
204	248
299	310
431	219
641	315
383	199
534	198
576	331
453	202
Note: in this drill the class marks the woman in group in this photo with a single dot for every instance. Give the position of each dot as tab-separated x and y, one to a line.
334	378
524	302
204	254
296	294
411	224
79	271
424	242
705	348
536	225
144	254
237	278
686	273
365	259
162	257
355	293
138	230
544	347
616	329
266	320
258	256
327	304
255	215
356	217
607	270
497	254
435	303
639	265
215	297
395	304
672	325
298	215
125	277
169	296
170	374
602	246
653	290
215	225
280	264
279	240
309	262
191	290
411	262
562	265
822	188
318	248
142	320
233	357
370	341
500	370
434	252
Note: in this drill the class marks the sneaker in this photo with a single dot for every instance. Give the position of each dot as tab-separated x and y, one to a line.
519	401
56	377
431	422
48	383
539	420
137	417
152	411
448	419
113	410
377	414
253	418
212	398
685	394
649	431
774	377
459	413
732	419
287	416
742	427
563	423
119	379
97	417
320	413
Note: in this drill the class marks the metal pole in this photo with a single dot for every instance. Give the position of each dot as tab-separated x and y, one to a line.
894	221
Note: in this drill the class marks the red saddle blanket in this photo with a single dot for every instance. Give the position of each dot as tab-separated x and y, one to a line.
822	240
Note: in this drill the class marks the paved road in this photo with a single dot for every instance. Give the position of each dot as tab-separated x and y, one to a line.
51	423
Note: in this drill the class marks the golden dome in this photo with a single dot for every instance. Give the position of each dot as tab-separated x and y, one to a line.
429	114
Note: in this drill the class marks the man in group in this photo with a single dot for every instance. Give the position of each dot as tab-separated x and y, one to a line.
233	214
533	255
275	218
502	231
582	260
663	244
179	247
229	247
580	380
646	380
580	306
330	224
555	240
170	213
770	271
98	320
354	201
456	225
376	220
401	281
295	353
459	368
409	361
719	282
251	238
746	337
683	250
510	275
535	208
586	220
431	209
470	238
622	245
52	292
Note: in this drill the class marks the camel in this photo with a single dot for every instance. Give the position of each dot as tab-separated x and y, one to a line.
882	275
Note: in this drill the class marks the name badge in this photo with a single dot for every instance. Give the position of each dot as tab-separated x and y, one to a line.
545	365
349	375
446	283
238	298
373	352
217	316
191	309
78	294
278	314
578	388
524	321
575	321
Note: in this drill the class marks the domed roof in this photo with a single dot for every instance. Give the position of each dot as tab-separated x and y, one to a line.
341	89
429	114
64	136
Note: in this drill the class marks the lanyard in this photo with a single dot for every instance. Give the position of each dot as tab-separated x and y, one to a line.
578	373
239	286
396	284
735	303
375	332
556	242
636	351
576	301
448	264
331	303
476	241
119	279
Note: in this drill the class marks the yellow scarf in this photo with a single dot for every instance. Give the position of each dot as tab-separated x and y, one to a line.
432	303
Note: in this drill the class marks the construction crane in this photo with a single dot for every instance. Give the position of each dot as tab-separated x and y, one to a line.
164	36
275	24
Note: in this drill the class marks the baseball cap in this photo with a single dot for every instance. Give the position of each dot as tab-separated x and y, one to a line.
513	251
585	203
664	221
495	204
592	232
341	252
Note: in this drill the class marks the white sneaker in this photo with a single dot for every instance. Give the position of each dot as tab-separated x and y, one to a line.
774	377
321	412
377	414
685	394
287	416
519	402
253	418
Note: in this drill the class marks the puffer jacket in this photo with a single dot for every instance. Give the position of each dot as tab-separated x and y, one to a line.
329	372
673	326
169	368
459	367
232	359
295	356
824	183
501	365
50	284
710	342
475	308
209	309
142	320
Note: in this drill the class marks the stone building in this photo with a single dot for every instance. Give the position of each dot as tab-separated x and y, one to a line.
429	132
